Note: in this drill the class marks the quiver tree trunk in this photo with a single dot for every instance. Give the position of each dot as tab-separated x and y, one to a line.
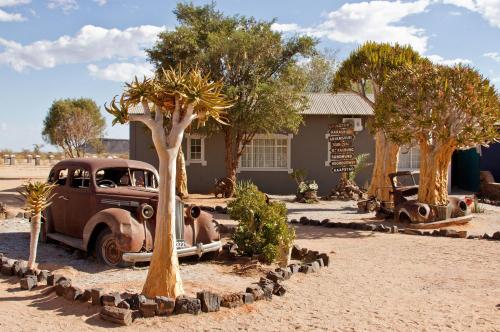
35	233
231	160
433	182
386	162
181	187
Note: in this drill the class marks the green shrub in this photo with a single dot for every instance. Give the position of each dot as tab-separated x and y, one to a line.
262	227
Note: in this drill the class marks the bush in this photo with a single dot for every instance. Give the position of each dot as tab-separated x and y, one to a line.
262	226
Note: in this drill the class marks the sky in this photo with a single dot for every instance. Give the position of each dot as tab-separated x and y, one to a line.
53	49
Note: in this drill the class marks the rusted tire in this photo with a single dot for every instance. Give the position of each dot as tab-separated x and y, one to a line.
107	251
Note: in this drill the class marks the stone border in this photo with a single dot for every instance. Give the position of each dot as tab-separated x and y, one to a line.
124	308
392	229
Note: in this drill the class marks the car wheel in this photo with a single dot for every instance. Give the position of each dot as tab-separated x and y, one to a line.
209	256
107	251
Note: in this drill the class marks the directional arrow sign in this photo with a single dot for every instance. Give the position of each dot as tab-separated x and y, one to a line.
346	162
342	169
342	150
335	156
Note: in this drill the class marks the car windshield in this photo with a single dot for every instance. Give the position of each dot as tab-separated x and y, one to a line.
125	177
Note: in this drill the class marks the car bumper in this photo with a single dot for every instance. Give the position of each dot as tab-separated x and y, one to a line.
199	250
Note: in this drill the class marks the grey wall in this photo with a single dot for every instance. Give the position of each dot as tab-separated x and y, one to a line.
308	152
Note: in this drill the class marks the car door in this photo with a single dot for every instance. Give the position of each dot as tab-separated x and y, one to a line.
80	201
58	207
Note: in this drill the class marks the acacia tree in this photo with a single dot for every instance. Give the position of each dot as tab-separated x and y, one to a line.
38	196
366	70
73	124
441	109
256	64
176	98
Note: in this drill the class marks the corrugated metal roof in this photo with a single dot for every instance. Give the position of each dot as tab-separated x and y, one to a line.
342	103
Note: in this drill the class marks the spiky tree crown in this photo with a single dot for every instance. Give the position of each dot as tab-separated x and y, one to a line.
37	195
173	88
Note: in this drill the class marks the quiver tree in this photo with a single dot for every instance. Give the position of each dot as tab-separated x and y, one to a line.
177	99
38	196
441	109
365	72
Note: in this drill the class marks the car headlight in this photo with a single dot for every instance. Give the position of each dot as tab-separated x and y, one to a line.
147	211
193	211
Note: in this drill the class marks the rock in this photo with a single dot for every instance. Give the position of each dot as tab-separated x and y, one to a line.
86	296
96	295
23	271
220	209
231	300
187	305
28	282
256	291
296	252
315	266
52	279
314	222
267	287
285	272
304	221
247	298
117	315
294	268
42	275
436	232
135	301
474	237
311	256
148	308
460	234
496	236
7	269
294	221
210	302
324	222
279	290
274	276
111	300
72	293
20	215
394	229
326	259
123	305
330	224
320	262
486	236
426	233
61	286
16	266
306	268
165	305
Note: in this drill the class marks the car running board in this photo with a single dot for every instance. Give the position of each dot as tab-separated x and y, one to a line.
69	240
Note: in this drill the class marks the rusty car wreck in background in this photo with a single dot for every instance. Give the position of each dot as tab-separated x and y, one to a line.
107	207
407	209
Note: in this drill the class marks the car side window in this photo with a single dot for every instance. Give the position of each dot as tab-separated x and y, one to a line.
80	178
59	176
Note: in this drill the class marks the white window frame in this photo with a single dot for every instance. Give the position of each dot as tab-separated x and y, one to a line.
411	158
201	161
288	167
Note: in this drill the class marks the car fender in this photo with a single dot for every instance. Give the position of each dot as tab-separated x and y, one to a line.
128	232
206	230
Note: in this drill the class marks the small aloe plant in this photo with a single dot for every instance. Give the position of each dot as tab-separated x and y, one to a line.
38	196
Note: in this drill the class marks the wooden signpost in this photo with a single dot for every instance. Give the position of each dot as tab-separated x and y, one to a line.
341	137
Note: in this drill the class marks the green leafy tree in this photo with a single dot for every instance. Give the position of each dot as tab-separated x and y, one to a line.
180	99
366	70
320	71
72	124
441	109
256	64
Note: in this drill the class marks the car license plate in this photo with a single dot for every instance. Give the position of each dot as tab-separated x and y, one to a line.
180	244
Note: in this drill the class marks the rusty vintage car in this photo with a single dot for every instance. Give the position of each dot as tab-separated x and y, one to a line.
406	208
106	207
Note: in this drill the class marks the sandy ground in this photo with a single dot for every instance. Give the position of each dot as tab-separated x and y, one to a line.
377	282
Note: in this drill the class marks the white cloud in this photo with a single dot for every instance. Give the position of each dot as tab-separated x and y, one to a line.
3	126
489	9
448	62
66	5
493	55
122	71
101	2
377	20
90	44
11	17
